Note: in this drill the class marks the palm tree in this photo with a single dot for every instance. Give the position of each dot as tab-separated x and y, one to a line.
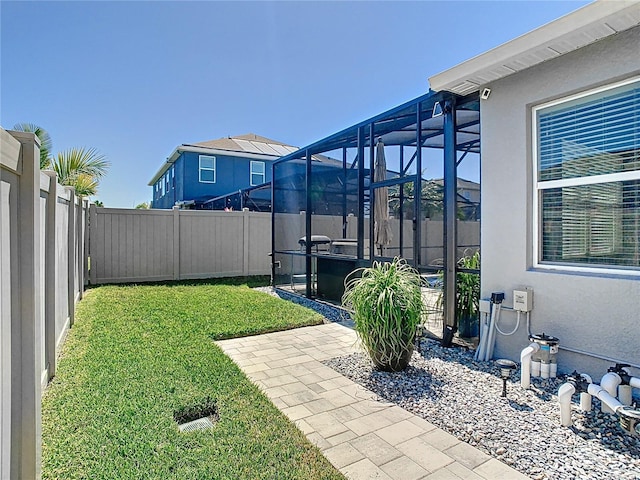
81	168
46	145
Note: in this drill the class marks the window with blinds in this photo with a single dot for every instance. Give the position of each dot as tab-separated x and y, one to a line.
588	179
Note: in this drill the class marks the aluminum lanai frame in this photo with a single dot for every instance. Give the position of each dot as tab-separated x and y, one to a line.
455	128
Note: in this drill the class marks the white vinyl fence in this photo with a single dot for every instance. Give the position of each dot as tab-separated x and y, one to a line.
128	245
42	271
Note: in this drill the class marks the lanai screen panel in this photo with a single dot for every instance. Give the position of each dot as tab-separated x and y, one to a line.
333	188
289	206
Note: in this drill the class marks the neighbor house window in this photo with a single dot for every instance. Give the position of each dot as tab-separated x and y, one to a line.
587	169
257	173
207	169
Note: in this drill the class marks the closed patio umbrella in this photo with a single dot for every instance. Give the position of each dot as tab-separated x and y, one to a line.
382	229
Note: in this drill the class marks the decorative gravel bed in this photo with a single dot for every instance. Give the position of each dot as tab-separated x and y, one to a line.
449	389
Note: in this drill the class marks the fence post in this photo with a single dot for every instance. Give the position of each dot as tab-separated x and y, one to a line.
245	242
85	253
71	255
26	427
80	251
50	275
176	243
93	242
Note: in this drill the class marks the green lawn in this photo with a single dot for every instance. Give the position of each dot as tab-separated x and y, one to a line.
138	354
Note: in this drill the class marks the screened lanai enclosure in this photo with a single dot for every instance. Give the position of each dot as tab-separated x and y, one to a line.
380	189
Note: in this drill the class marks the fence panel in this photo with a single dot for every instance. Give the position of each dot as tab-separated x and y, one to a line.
257	243
41	265
210	244
61	252
22	301
128	245
9	181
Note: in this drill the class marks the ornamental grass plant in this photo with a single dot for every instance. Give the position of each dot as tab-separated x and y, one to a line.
385	301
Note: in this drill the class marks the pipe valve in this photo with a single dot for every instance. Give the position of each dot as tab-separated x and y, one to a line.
579	381
619	369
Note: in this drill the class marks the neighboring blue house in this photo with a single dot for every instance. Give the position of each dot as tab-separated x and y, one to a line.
197	172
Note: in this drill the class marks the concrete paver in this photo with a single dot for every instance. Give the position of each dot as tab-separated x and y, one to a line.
361	435
404	468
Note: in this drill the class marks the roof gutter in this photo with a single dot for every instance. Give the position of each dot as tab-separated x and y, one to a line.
575	30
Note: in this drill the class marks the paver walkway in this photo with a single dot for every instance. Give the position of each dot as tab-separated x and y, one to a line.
363	437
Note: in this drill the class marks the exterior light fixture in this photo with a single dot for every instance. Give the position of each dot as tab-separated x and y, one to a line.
437	110
506	366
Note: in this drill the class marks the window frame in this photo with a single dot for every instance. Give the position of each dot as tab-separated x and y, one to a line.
201	169
540	186
252	173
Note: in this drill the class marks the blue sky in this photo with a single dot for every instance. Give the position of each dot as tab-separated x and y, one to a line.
137	79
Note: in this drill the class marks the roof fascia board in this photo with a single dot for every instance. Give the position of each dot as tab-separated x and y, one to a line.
205	151
594	13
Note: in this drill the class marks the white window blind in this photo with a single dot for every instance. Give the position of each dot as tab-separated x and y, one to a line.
588	179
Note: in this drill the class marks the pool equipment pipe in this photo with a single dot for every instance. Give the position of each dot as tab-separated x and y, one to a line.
629	417
618	381
484	352
539	358
525	364
565	392
484	332
609	382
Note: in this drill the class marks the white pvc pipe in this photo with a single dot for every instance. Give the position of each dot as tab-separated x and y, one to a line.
535	368
484	332
495	312
635	382
564	398
609	383
605	397
625	394
545	370
585	402
525	364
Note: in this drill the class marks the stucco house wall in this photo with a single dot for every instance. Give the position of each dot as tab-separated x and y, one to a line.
595	313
